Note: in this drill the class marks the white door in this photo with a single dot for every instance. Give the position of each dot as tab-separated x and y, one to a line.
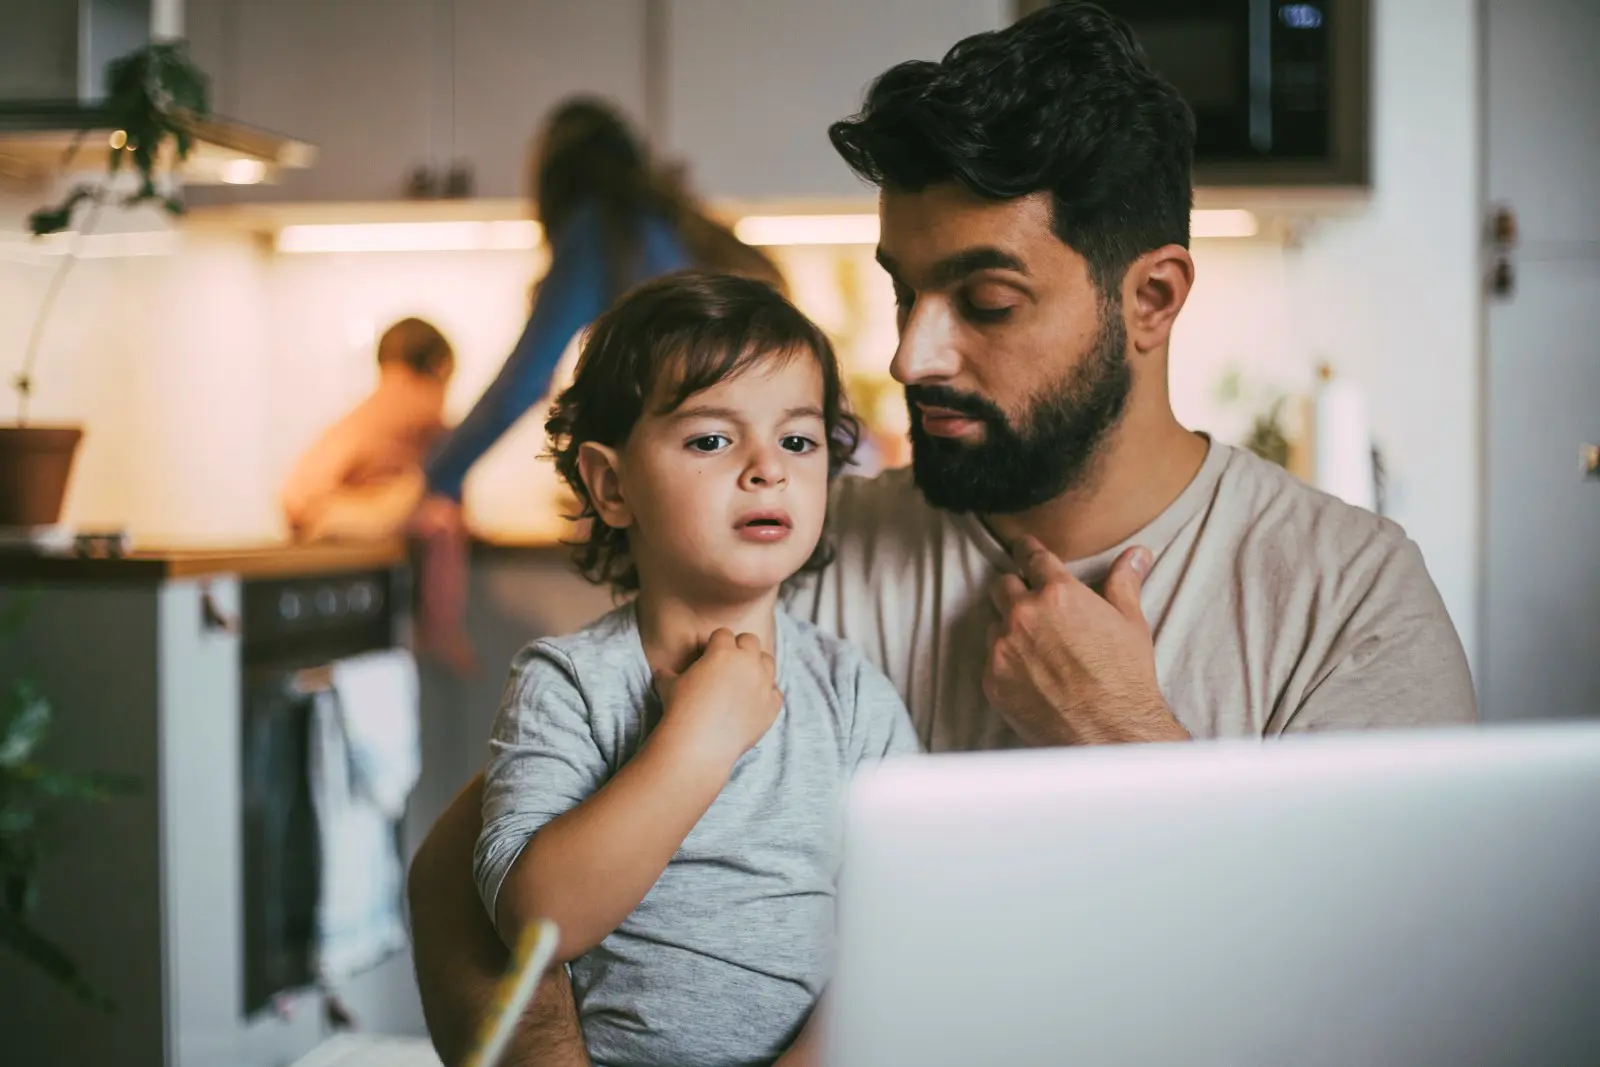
1541	652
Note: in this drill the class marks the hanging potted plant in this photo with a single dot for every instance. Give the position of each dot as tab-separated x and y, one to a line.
153	95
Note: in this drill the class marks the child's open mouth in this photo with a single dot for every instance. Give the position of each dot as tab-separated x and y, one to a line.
763	526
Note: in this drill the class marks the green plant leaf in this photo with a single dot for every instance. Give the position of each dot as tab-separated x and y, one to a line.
22	939
15	821
82	786
154	93
15	613
49	220
25	728
20	891
53	220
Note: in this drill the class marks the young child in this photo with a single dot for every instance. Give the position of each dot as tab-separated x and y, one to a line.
362	479
666	784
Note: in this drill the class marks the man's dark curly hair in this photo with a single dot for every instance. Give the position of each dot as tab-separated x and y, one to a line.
660	344
1062	101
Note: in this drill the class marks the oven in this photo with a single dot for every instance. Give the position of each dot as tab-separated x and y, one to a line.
292	629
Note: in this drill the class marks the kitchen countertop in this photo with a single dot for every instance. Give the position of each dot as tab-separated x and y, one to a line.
157	564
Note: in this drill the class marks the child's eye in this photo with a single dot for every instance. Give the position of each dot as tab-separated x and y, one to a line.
708	443
797	444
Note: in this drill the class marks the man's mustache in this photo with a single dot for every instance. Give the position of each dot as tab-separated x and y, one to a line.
942	396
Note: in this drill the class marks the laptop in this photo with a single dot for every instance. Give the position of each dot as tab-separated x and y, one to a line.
1426	899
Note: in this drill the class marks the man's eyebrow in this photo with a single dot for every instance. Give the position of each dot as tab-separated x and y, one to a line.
954	267
971	260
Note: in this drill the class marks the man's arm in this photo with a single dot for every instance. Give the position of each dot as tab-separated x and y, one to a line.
459	958
1397	661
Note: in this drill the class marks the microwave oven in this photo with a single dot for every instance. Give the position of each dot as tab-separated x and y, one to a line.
1279	88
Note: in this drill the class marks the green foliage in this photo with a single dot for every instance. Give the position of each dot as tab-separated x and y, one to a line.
154	94
29	796
1267	436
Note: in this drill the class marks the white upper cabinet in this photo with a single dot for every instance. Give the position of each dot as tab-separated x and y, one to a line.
752	85
355	78
516	59
742	91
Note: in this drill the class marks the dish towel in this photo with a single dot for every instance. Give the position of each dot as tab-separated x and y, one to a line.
365	759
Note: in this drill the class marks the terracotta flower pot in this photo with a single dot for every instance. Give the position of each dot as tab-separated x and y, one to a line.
35	466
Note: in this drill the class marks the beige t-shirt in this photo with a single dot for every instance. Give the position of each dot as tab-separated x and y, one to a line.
1274	608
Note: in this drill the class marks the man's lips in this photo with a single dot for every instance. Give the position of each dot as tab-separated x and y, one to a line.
943	422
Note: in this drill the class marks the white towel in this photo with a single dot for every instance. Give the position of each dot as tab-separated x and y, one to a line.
365	759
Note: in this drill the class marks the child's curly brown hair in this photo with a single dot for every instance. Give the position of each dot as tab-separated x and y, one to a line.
661	343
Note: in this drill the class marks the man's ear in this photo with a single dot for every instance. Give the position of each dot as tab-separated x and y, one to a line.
601	469
1153	292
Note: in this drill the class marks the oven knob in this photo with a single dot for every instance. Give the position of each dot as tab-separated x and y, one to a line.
290	606
328	603
362	597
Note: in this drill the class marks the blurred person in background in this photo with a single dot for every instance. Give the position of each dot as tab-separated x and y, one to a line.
613	217
362	479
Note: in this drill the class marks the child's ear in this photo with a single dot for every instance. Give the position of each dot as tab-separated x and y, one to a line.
601	469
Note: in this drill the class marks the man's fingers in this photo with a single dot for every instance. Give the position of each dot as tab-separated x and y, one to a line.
1125	582
721	638
1038	564
1006	592
749	642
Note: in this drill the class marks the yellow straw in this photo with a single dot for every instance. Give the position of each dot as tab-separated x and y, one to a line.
535	949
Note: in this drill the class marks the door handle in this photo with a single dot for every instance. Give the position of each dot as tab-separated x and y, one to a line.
212	618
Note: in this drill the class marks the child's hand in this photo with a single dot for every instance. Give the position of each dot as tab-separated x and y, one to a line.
728	697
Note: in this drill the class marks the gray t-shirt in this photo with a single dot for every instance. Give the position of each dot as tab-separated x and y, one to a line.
723	960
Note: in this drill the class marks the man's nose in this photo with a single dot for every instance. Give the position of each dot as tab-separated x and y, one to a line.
927	350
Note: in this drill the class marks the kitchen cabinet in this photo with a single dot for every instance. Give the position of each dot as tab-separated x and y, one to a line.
38	57
148	666
742	91
752	85
387	88
357	78
516	59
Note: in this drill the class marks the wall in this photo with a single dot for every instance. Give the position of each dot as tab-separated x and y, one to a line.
1391	298
157	346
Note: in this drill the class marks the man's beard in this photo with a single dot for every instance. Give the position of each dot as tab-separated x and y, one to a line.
1016	468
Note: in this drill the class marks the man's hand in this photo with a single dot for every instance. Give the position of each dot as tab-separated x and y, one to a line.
1067	666
729	696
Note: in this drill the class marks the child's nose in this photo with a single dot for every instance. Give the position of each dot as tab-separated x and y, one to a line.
765	470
